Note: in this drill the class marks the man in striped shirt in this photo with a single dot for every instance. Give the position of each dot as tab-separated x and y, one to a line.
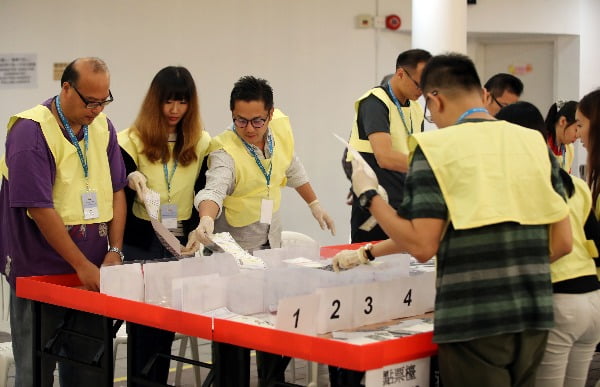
484	196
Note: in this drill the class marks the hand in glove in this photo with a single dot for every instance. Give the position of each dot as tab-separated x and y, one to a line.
193	245
137	182
202	234
363	179
347	259
321	216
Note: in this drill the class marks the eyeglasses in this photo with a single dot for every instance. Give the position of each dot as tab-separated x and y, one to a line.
92	104
411	78
427	117
501	105
257	122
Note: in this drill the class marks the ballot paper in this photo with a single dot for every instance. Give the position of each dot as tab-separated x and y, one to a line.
166	237
371	222
244	259
369	171
152	203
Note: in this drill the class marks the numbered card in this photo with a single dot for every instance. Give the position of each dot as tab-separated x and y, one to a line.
335	309
425	292
400	297
298	314
413	373
368	304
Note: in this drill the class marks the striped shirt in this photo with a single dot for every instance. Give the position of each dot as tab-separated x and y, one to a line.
490	280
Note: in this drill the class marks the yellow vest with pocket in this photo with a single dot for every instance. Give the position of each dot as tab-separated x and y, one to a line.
243	206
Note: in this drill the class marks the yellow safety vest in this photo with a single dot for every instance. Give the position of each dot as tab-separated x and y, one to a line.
70	180
492	172
182	184
243	206
580	261
398	131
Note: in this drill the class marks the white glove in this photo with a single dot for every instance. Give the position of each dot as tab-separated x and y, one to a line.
137	182
362	180
321	216
203	233
347	259
193	245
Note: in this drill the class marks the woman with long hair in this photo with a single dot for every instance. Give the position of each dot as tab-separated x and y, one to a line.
562	131
163	151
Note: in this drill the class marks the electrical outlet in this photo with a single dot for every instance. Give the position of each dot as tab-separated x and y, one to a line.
364	21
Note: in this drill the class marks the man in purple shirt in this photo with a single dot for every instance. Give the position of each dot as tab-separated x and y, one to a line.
63	209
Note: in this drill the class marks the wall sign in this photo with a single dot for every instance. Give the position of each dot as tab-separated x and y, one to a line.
18	71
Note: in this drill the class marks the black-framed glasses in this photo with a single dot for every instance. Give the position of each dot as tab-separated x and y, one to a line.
93	104
256	123
501	105
411	78
428	117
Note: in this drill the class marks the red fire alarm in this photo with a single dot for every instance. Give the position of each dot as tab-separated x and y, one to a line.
393	22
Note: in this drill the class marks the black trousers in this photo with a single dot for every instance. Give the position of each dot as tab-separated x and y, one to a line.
231	366
150	341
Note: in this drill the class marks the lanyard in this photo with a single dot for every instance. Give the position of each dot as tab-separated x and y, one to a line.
563	153
251	150
469	112
169	179
73	138
399	107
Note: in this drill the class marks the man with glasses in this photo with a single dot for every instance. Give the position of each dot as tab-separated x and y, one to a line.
485	197
63	207
501	90
248	166
385	117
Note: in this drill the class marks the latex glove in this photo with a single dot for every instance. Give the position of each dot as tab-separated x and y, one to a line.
202	234
321	216
137	182
193	245
347	259
362	180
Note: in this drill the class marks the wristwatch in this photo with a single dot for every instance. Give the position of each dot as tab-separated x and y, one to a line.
365	198
118	251
368	252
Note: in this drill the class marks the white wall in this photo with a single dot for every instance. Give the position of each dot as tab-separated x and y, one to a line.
310	51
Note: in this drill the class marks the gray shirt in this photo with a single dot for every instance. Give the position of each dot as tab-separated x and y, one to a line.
220	182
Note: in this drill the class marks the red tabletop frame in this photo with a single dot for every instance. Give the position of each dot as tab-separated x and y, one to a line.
62	290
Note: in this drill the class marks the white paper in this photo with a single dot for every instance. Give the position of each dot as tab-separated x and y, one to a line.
244	259
123	281
358	157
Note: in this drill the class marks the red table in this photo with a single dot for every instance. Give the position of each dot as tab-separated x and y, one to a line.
62	290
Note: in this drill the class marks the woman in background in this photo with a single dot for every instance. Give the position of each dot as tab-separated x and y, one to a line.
163	151
562	131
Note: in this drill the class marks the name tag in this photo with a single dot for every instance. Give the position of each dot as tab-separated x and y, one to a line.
168	215
266	211
90	205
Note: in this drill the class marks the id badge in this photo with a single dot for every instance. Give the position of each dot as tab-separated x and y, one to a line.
168	215
90	205
266	211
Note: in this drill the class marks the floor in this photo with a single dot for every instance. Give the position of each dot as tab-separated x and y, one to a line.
187	377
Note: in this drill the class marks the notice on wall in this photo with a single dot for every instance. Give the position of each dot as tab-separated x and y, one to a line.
18	71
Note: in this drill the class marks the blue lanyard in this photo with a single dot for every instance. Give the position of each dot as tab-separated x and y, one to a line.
469	112
563	153
399	107
73	138
251	150
169	179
